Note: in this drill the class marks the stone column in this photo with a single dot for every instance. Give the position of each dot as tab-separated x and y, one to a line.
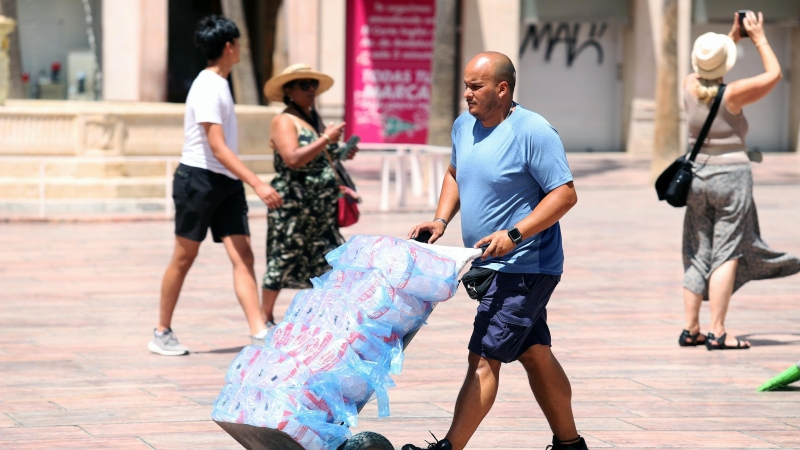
794	88
445	73
244	78
302	32
153	51
639	77
331	57
6	27
134	50
666	145
684	49
8	8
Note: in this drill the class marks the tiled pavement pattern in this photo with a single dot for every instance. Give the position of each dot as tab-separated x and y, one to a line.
78	302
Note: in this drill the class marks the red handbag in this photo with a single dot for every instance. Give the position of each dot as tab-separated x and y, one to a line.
348	200
348	207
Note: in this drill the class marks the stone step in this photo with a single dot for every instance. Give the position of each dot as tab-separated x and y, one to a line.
93	168
17	188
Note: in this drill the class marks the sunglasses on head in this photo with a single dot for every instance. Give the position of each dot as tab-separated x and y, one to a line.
305	85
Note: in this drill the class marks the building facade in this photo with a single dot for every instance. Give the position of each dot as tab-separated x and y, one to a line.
589	67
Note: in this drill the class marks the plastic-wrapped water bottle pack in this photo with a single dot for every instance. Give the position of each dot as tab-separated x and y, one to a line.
338	343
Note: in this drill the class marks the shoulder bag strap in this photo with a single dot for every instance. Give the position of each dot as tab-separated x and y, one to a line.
325	150
707	126
333	166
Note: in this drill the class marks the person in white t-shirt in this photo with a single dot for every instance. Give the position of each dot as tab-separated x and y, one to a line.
208	189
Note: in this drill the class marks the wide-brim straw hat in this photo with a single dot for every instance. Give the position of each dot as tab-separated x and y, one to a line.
273	88
713	55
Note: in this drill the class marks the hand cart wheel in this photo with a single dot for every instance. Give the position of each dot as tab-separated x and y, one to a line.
367	440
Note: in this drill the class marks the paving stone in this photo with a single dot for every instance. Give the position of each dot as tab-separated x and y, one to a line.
78	444
682	439
41	433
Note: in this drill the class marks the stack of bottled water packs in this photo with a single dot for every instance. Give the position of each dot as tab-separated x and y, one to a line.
339	343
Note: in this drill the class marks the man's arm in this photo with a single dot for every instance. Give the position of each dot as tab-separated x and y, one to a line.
216	140
449	204
549	211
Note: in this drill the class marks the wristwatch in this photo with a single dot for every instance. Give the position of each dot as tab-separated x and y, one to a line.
515	235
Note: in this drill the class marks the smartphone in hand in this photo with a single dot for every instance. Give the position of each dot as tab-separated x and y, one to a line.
344	150
742	13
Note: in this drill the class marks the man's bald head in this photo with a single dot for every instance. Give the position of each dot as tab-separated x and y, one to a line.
500	67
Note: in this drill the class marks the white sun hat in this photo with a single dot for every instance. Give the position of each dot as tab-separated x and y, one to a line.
713	55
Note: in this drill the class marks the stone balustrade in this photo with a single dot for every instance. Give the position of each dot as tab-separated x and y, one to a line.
65	143
75	128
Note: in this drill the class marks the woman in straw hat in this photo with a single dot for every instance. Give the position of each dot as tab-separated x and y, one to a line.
304	229
722	246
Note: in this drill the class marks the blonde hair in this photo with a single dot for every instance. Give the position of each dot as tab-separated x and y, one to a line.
707	89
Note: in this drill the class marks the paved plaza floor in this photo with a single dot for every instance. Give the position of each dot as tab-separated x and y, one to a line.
78	301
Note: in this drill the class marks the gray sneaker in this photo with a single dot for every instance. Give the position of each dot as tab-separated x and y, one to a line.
259	342
167	344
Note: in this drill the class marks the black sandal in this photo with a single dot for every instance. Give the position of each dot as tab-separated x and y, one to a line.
690	340
720	343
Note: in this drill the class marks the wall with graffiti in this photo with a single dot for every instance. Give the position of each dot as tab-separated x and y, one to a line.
569	72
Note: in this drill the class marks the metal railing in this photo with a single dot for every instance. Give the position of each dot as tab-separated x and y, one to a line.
394	156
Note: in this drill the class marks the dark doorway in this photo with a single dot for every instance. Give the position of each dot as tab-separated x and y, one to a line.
184	60
262	21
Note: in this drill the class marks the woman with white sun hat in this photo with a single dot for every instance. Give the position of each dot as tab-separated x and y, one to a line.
722	246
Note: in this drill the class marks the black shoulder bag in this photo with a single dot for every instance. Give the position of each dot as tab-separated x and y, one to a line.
674	183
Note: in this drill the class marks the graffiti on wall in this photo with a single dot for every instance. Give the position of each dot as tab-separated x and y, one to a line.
552	34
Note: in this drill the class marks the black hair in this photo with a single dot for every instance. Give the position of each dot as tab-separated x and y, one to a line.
212	33
289	85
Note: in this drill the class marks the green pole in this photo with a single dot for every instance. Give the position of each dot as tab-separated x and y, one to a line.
784	378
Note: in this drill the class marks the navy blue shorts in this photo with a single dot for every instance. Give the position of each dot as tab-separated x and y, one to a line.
512	316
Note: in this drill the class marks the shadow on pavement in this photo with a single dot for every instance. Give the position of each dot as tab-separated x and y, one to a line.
754	341
222	351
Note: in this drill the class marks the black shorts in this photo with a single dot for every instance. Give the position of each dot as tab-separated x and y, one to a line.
512	316
206	199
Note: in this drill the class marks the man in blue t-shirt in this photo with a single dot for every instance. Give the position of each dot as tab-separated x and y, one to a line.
510	178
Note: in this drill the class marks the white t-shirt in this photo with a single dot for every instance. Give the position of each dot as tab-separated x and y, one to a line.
209	100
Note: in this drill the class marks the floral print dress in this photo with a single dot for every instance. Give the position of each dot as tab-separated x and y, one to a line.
302	231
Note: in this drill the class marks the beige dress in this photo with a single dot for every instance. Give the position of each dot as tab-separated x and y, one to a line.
721	222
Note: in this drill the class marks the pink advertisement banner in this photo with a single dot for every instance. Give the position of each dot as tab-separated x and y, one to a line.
389	64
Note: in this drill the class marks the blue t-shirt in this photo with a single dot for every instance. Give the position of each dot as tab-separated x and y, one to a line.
503	173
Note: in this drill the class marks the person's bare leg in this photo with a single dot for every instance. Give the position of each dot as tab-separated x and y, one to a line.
268	298
691	305
720	290
475	399
182	258
552	390
244	279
